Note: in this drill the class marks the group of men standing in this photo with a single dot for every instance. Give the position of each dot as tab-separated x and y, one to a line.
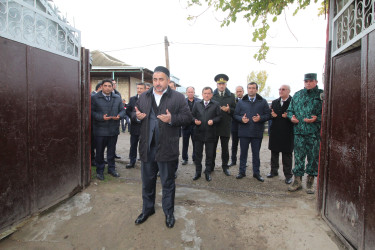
158	114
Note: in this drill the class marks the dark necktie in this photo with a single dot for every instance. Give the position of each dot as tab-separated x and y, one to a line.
108	98
251	99
221	94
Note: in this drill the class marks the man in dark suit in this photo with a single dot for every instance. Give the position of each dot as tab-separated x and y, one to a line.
281	135
115	91
135	125
162	112
227	104
188	131
234	129
106	110
206	115
93	146
251	113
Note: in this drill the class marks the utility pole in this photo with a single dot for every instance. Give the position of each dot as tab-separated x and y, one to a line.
166	44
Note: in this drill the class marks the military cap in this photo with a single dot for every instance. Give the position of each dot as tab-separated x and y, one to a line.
162	69
221	78
310	76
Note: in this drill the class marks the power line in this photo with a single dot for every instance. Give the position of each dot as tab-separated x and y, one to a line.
219	45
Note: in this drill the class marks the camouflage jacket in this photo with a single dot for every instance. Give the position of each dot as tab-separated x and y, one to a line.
306	103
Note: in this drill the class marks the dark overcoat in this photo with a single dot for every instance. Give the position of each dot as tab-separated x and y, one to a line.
99	107
204	132
224	127
259	106
187	127
135	128
167	149
281	131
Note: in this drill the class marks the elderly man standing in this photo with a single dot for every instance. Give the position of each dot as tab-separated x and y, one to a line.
234	129
188	131
305	111
227	103
251	112
281	135
106	111
162	112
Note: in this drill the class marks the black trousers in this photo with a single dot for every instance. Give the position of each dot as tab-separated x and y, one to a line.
101	143
134	139
287	160
224	149
209	149
234	146
186	135
149	171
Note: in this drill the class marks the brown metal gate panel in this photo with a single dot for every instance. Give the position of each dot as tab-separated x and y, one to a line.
14	185
343	205
44	124
54	115
369	218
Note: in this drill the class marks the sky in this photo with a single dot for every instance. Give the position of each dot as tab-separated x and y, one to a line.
134	31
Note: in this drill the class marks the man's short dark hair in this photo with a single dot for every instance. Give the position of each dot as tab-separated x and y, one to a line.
174	84
206	88
141	83
98	86
148	84
253	83
107	80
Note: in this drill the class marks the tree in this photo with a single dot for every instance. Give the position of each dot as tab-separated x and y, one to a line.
256	11
260	77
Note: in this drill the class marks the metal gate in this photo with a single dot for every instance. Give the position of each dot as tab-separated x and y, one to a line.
347	165
44	116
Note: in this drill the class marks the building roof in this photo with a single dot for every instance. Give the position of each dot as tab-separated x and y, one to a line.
102	59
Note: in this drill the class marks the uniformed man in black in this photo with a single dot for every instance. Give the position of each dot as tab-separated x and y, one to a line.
227	103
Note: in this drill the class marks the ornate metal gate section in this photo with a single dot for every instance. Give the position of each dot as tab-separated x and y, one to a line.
353	19
38	23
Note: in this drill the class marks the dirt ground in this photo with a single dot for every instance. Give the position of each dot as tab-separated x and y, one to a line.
225	213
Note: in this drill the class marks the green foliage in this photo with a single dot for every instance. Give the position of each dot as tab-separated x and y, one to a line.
260	77
258	12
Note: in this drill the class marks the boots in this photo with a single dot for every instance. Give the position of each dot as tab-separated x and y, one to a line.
310	184
297	184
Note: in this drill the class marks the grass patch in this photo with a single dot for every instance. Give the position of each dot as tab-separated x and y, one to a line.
107	177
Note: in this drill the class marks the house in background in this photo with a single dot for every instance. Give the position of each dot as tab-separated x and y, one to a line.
105	66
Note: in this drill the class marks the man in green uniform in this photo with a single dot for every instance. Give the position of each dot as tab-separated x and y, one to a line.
305	111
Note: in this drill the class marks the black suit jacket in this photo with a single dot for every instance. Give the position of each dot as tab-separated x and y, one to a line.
135	128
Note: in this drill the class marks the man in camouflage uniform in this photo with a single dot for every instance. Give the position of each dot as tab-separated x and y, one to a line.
305	111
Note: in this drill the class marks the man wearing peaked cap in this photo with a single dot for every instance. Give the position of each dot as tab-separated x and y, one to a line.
305	111
227	104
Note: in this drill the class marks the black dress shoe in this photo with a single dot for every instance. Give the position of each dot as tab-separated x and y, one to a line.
130	165
196	177
114	174
105	162
232	164
288	180
100	177
184	162
170	220
271	175
117	157
240	176
258	177
143	217
226	172
208	177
